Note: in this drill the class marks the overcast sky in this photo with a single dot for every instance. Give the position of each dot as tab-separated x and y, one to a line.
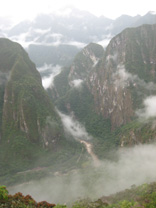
20	9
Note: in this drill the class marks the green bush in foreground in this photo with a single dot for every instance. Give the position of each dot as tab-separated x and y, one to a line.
3	193
19	201
143	196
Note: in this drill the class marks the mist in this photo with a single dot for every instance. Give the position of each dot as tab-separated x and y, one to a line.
48	38
123	78
105	41
149	109
48	73
76	83
131	166
74	128
135	165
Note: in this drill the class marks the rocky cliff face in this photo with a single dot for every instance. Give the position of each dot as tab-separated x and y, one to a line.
83	64
114	86
127	69
85	61
26	110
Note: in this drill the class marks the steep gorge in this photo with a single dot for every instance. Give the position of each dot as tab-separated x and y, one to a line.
103	90
106	91
30	128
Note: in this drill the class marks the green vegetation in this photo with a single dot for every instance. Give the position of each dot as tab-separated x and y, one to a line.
61	82
82	104
23	161
139	51
3	193
31	132
136	132
81	101
143	196
1	104
30	129
20	201
83	61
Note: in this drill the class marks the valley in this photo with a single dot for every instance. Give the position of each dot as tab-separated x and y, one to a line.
78	119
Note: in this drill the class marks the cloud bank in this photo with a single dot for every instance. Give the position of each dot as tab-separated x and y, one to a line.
43	37
132	166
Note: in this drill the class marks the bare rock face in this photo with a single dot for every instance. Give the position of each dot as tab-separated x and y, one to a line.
85	61
128	65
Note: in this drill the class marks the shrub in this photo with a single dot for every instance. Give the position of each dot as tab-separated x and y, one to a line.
3	193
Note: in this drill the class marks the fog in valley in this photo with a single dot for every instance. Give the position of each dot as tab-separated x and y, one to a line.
132	166
135	165
53	35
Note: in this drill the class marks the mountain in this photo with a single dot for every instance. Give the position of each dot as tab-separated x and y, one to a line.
112	93
71	78
81	67
109	91
57	37
31	132
72	95
130	55
124	77
21	92
124	21
148	18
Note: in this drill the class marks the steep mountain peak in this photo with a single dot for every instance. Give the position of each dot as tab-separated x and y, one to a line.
129	60
25	106
85	61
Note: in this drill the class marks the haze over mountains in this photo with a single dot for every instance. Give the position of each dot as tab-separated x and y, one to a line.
98	99
56	38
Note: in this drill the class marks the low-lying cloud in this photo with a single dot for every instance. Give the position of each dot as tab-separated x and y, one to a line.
105	41
123	78
73	127
149	109
48	73
75	43
132	166
76	83
43	37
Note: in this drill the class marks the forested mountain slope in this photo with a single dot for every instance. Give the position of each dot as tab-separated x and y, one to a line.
30	128
108	92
